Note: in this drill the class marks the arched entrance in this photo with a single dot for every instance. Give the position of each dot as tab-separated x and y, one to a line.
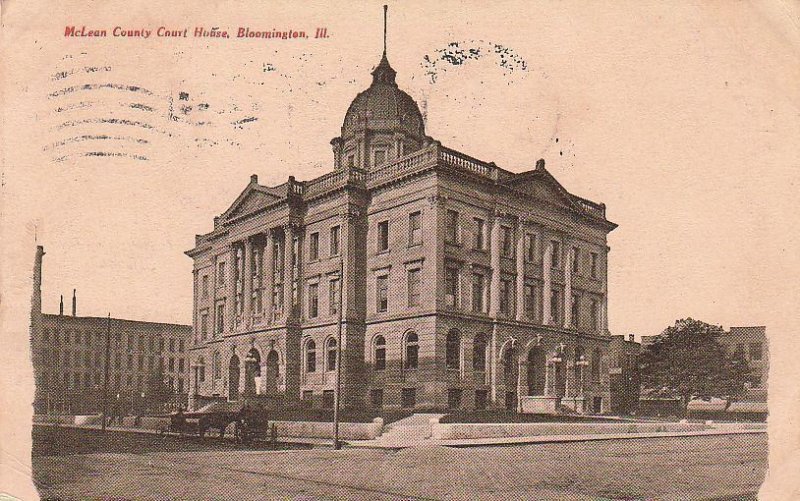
510	376
233	378
252	370
271	376
537	367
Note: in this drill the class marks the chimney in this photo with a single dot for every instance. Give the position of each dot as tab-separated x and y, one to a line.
630	338
254	179
74	304
36	300
540	164
61	306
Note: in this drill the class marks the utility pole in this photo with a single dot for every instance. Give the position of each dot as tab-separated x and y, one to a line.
337	393
106	375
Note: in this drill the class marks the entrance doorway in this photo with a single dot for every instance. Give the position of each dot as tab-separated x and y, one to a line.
271	376
597	405
233	378
537	365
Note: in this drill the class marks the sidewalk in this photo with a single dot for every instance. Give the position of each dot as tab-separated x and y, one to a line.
541	439
313	442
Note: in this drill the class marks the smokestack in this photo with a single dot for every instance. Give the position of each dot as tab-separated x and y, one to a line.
36	299
61	306
630	338
74	304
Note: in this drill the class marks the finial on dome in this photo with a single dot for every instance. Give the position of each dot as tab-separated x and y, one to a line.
385	10
384	73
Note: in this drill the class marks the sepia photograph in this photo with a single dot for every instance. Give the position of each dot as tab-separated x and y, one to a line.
305	250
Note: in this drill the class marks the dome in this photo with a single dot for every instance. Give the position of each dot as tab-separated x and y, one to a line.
383	107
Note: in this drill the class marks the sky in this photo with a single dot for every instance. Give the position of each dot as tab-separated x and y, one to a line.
681	118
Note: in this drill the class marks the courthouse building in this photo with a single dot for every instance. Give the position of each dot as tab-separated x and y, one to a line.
463	285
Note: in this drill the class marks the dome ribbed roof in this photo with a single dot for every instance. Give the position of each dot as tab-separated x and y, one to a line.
383	106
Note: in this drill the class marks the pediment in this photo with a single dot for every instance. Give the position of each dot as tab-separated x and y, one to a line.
251	199
545	188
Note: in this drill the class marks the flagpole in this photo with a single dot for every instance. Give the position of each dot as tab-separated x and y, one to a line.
337	394
106	375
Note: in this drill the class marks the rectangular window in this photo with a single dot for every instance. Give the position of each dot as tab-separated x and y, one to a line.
171	345
507	248
333	296
594	312
415	228
574	311
308	395
382	293
594	265
313	300
180	365
334	244
451	227
203	326
351	160
555	256
383	236
376	398
755	351
530	248
408	397
481	399
220	318
327	399
205	285
180	385
451	287
530	302
221	274
413	287
555	306
380	157
453	399
480	230
505	296
576	253
313	246
181	346
171	364
477	292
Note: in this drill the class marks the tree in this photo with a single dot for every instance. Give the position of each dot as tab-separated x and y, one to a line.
687	361
158	392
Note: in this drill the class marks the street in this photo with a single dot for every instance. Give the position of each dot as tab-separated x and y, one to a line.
724	467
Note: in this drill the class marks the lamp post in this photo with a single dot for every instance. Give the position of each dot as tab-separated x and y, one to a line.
582	363
337	394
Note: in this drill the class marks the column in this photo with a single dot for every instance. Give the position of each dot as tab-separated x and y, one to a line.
268	269
494	289
568	288
522	365
288	240
247	286
230	286
520	310
547	265
604	306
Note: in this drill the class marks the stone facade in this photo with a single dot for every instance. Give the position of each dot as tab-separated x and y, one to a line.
462	284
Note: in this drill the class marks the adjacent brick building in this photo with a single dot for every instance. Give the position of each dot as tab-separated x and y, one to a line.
69	357
463	285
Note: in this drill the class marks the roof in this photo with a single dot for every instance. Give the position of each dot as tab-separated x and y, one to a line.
101	321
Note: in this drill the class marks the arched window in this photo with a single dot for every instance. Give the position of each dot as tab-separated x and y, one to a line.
311	356
452	350
596	360
411	351
330	350
217	366
380	353
479	353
